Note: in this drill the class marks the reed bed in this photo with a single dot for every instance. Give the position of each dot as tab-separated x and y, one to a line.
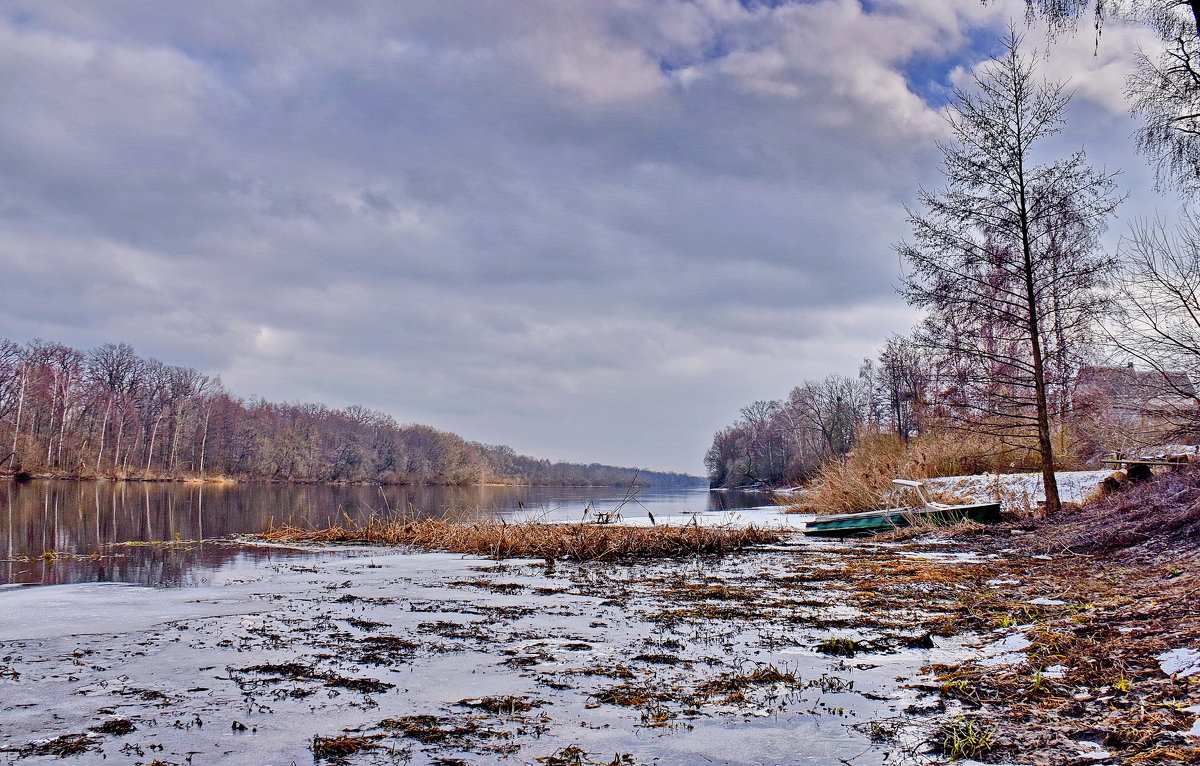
863	479
496	539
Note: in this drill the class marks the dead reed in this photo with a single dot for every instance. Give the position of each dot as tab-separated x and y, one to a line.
862	480
922	526
1138	519
496	539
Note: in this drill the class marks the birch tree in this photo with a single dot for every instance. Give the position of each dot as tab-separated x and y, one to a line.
1004	259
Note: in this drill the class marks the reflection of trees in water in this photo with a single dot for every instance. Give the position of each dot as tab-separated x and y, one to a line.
88	517
735	501
81	517
84	518
142	565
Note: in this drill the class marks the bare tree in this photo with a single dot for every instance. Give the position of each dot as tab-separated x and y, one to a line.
1160	322
833	407
1164	91
901	383
111	412
1004	259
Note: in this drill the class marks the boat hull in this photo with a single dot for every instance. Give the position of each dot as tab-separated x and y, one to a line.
873	522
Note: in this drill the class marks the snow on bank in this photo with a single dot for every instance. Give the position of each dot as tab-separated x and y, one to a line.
1164	451
1018	490
1012	490
1182	662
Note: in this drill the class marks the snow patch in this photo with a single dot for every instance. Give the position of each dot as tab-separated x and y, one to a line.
1018	490
1183	662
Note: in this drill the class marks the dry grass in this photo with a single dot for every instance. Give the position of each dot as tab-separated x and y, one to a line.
574	542
922	526
1139	519
863	480
1123	574
340	747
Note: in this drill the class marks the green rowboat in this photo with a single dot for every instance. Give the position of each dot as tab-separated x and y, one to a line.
931	513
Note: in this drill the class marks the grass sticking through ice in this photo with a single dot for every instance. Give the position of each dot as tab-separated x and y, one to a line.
576	542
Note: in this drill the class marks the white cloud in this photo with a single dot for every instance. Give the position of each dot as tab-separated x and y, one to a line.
593	230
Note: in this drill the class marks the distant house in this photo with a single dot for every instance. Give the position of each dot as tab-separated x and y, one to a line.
1137	396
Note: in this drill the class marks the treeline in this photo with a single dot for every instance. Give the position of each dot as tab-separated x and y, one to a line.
786	441
1021	306
913	391
109	413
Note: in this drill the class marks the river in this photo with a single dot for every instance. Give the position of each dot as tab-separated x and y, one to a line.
57	532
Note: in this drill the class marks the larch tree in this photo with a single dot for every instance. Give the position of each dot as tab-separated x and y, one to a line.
1004	259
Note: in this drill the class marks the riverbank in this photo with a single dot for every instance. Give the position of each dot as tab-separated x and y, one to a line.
375	656
1105	621
1068	640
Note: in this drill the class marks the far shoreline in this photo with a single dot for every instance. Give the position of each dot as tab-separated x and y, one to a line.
20	478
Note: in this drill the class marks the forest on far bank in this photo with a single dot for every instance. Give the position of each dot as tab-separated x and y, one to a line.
1037	349
109	413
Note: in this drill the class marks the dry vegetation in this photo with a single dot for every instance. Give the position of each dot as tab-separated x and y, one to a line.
863	480
1124	582
496	539
1145	520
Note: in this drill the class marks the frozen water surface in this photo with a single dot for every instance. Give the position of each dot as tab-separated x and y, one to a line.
673	662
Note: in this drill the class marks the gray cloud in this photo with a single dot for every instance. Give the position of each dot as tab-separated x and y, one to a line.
592	231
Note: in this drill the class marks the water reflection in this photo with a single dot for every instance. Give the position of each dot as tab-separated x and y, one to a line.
58	532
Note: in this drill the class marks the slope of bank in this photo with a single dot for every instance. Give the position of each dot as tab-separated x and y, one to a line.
1102	623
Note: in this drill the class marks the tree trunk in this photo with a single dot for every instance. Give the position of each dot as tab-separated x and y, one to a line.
103	431
20	402
204	439
1045	443
150	448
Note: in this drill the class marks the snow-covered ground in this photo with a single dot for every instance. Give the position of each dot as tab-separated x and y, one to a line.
1018	490
1012	490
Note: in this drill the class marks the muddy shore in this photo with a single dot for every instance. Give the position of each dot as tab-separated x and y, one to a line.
994	646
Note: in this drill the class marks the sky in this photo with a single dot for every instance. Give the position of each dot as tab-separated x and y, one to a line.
589	230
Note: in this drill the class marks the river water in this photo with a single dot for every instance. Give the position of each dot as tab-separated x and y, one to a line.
55	532
255	653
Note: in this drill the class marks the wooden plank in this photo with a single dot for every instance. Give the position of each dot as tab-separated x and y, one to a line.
1135	461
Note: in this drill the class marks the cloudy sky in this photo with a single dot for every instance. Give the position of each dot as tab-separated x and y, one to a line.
591	230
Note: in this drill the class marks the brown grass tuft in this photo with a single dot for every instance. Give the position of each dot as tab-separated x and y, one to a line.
862	481
921	527
574	542
340	747
1143	517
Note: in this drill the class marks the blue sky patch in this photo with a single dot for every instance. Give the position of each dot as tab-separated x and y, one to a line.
928	74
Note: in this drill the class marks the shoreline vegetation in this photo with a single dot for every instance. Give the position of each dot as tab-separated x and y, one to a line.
24	476
107	413
499	540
